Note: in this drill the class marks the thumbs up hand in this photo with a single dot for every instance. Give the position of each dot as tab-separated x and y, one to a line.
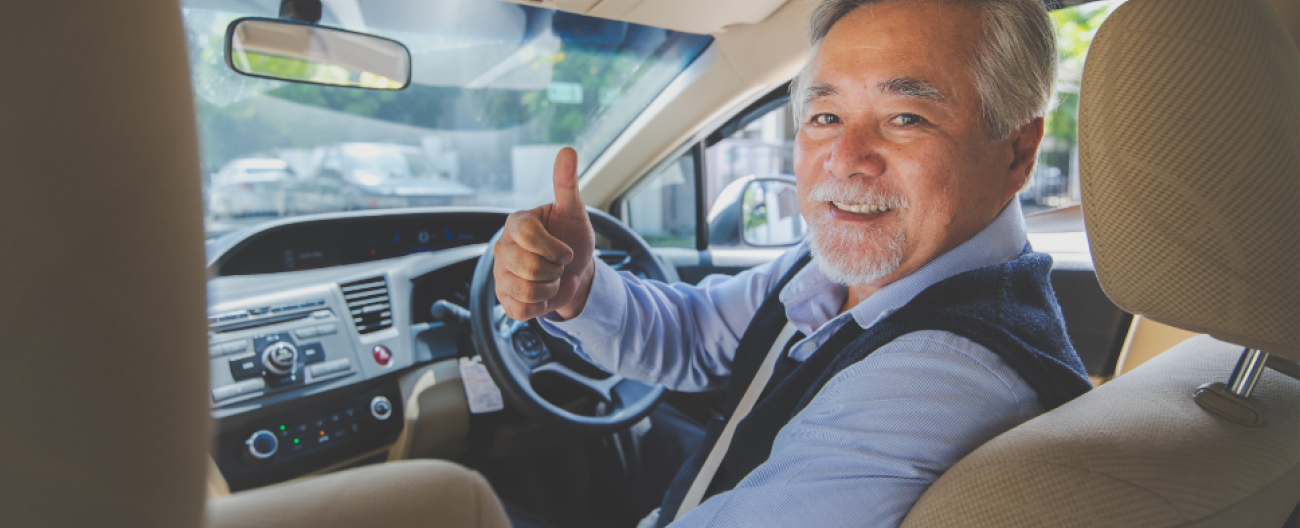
543	260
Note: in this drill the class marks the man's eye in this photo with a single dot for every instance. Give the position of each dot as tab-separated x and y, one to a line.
908	119
825	119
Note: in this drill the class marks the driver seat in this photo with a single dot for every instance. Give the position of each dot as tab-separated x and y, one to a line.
1189	139
103	387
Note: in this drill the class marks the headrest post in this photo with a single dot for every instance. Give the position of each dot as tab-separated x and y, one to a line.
1232	400
1249	367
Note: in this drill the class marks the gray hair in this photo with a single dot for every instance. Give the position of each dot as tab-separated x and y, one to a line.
1014	68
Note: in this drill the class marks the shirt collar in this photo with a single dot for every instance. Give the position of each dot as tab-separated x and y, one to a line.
811	299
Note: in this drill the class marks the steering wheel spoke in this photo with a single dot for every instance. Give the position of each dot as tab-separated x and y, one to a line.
604	388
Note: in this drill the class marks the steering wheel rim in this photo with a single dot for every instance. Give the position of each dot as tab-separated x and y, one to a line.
527	355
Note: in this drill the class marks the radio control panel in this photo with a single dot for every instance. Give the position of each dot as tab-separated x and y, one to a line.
264	350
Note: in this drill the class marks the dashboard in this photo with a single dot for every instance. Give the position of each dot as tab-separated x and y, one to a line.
313	319
317	325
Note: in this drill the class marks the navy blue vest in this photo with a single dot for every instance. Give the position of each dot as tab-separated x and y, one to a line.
1008	308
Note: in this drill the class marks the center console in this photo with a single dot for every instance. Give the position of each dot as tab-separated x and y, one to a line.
303	380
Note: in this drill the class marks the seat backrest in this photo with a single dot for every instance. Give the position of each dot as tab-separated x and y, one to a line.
1189	142
103	374
1135	452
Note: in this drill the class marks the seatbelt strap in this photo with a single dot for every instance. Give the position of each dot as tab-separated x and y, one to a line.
710	468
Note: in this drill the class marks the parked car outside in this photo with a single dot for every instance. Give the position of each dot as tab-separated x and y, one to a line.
378	175
250	187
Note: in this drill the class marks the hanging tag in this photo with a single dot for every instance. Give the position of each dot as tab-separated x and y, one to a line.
483	394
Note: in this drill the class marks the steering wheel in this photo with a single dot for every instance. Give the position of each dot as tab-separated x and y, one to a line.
514	352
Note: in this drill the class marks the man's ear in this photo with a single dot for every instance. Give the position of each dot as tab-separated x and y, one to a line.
1024	147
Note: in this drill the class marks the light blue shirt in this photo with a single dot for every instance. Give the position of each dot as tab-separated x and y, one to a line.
879	432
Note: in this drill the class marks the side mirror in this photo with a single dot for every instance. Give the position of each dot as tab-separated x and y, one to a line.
769	213
294	51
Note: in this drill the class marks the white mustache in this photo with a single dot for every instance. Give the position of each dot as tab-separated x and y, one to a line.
842	192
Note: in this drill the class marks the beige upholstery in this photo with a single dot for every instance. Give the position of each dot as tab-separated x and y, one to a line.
1190	149
103	389
1134	452
403	494
102	308
1189	142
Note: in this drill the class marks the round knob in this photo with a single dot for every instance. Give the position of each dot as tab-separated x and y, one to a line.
262	445
280	357
381	408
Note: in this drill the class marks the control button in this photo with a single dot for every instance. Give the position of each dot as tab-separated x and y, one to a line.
237	389
293	377
320	314
245	367
236	346
305	332
528	343
262	445
263	341
326	329
381	408
330	367
311	353
216	350
280	357
382	355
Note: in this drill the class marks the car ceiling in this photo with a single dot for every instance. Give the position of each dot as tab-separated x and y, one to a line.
690	16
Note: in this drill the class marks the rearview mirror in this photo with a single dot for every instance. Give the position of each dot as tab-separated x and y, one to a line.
769	212
294	51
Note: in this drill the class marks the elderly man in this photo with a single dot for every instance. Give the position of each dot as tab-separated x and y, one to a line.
924	327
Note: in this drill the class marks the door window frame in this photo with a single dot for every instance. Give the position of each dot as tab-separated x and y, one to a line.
773	99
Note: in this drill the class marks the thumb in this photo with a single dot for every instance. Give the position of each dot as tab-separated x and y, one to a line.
568	202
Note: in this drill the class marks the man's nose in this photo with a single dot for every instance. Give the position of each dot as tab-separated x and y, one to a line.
856	152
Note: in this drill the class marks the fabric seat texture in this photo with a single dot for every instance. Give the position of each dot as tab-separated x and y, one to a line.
1189	146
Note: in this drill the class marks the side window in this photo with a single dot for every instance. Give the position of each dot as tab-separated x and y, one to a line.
744	163
661	208
756	145
1055	180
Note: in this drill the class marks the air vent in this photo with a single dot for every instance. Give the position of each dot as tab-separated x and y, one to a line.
368	302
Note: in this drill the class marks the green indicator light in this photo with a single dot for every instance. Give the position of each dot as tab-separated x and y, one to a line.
295	440
281	427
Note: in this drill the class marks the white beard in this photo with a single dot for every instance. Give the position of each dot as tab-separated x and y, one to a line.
853	255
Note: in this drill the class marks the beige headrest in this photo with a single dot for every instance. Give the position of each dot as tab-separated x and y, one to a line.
103	370
1189	143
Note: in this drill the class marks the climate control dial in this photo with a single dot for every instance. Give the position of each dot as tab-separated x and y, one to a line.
262	445
381	408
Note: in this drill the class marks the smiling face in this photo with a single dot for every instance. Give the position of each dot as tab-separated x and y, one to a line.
894	163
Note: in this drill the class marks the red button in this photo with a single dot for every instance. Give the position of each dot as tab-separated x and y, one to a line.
382	355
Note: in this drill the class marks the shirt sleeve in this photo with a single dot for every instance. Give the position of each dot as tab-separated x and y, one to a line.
876	436
680	335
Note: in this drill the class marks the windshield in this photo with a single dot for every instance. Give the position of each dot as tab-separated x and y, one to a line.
497	89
